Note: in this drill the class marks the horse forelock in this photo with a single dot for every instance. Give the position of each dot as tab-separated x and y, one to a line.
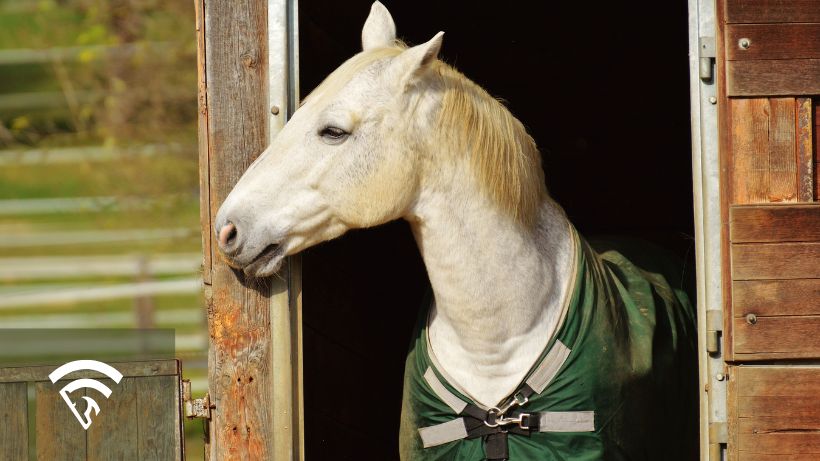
502	155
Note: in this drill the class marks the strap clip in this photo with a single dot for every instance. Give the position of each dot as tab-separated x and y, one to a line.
496	418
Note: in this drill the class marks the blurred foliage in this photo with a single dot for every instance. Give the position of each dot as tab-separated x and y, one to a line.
112	73
129	74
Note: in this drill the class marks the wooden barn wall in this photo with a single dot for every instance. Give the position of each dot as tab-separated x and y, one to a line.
769	71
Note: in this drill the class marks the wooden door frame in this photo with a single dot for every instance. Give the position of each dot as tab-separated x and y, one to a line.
247	63
705	96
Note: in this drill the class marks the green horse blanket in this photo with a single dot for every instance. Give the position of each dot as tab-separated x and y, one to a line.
618	380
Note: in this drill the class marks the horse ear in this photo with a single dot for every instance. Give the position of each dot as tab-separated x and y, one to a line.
414	61
379	30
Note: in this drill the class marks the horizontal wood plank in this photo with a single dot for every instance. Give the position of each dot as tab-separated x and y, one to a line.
800	407
772	11
774	223
773	77
768	298
777	381
128	369
787	337
747	456
773	41
774	412
775	261
781	442
768	424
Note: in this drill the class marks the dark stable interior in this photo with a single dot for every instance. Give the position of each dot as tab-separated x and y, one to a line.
604	90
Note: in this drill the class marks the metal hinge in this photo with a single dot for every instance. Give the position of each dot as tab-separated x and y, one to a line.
195	408
706	53
714	327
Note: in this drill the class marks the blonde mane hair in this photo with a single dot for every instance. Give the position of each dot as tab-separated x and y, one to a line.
503	156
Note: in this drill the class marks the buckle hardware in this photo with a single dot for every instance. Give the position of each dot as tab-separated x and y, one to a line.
495	418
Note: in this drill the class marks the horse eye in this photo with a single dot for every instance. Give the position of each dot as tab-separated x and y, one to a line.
333	134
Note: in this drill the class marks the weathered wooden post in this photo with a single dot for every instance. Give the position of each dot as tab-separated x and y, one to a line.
247	74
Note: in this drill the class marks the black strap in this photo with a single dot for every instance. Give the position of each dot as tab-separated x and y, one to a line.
496	447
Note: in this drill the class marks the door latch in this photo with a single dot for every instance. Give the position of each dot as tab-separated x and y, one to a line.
706	53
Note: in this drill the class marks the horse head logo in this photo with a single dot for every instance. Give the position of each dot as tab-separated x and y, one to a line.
105	369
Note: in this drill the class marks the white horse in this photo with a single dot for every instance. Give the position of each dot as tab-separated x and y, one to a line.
396	133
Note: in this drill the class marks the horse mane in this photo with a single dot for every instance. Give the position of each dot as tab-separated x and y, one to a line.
502	155
501	152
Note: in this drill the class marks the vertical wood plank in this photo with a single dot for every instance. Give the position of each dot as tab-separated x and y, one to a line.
157	422
112	434
805	150
59	434
14	427
764	167
725	157
204	176
750	149
239	357
816	102
782	164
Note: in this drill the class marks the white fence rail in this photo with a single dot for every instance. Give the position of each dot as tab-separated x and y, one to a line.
88	293
66	267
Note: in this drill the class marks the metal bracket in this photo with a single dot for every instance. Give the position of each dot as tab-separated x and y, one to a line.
195	408
714	327
718	437
707	54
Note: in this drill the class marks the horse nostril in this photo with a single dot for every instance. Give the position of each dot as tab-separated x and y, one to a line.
227	235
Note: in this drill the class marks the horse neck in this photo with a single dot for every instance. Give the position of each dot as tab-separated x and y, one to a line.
498	287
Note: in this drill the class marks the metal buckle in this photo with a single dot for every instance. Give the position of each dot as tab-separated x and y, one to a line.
495	413
517	400
523	419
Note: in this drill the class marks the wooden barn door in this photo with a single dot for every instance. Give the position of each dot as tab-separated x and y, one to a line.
767	79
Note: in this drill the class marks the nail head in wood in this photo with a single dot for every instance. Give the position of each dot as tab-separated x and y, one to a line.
751	319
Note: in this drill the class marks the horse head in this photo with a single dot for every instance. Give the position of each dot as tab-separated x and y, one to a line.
350	156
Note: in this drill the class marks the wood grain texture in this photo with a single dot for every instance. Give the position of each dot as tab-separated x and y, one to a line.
750	150
157	420
767	298
234	38
782	154
774	412
816	136
14	428
58	433
774	223
112	434
763	150
725	159
128	370
202	120
805	149
773	41
778	337
772	11
777	261
773	77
